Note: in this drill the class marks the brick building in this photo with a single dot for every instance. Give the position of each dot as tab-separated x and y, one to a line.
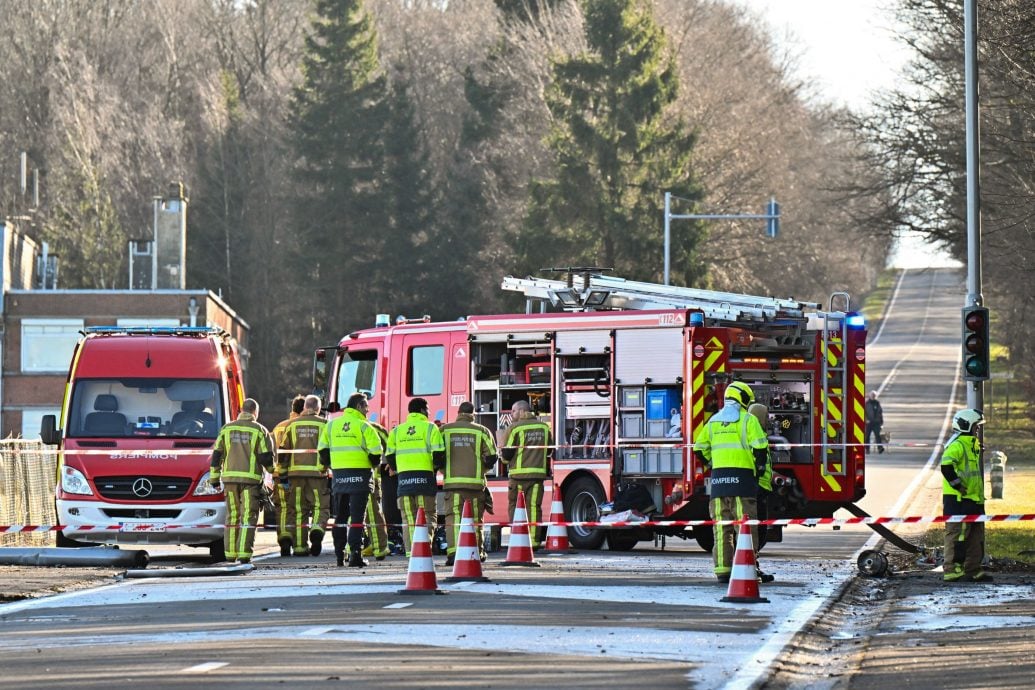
40	326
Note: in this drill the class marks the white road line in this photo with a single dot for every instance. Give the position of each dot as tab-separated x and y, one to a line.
206	667
891	305
400	605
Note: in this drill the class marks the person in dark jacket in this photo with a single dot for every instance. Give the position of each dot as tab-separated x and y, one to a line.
874	421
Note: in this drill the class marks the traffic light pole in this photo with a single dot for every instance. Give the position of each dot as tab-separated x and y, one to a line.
771	216
975	391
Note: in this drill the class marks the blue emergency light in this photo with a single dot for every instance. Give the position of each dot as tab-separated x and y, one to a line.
855	320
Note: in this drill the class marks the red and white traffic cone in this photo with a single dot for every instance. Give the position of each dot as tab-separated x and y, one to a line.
420	578
467	566
743	587
519	549
557	533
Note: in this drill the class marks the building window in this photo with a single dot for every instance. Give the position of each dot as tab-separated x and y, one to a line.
48	344
32	419
427	370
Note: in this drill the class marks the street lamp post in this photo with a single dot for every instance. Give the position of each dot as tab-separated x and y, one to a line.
771	216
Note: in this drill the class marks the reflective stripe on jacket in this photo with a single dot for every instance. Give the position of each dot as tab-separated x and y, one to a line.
351	440
729	446
302	433
239	444
531	440
469	448
964	454
413	442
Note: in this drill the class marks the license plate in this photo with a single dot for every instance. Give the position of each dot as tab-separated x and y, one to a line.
139	526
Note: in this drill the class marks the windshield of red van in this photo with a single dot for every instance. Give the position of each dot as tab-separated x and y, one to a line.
126	408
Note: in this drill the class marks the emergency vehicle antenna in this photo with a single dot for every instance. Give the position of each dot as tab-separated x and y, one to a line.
593	292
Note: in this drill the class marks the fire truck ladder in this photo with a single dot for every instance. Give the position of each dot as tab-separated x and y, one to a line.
589	292
835	397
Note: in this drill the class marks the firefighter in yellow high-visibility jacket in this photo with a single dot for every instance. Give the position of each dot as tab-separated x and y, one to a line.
415	449
242	449
963	493
733	443
304	482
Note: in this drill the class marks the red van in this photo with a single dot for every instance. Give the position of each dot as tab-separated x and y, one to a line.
141	412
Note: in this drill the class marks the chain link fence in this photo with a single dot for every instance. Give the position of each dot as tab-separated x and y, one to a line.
27	474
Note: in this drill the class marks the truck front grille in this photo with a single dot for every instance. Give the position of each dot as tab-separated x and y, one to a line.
143	488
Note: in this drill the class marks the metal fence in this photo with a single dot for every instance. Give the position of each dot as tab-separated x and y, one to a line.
27	475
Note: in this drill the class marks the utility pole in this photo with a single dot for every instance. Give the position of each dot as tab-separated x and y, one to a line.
771	216
975	389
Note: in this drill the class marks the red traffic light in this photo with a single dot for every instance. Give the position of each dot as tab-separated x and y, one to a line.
976	321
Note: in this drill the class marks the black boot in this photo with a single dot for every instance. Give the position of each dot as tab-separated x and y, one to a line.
285	547
340	558
315	542
356	560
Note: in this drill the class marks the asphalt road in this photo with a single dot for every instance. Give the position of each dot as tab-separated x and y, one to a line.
650	617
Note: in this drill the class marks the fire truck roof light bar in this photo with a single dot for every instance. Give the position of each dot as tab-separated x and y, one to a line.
154	330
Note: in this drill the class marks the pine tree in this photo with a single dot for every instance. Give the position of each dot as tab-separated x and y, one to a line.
337	114
617	152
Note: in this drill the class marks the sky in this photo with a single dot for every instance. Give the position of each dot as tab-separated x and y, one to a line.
846	50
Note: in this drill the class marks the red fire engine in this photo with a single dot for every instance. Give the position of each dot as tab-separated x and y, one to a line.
627	373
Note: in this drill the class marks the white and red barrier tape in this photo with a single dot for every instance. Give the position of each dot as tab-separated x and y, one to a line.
782	522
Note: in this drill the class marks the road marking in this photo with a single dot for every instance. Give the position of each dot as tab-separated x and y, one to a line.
206	667
400	605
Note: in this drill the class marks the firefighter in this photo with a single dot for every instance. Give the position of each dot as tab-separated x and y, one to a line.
351	448
415	448
963	493
242	449
376	529
303	483
470	454
735	447
277	495
527	452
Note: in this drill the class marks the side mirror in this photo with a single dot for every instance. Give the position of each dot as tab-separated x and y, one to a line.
49	433
322	360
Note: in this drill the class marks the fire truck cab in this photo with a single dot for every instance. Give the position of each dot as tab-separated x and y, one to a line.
142	409
626	375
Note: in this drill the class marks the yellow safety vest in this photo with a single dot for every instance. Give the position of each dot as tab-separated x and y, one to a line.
351	440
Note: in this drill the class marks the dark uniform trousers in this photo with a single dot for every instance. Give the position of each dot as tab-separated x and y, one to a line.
349	511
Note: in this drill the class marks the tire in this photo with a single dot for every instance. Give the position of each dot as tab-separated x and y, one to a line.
705	537
621	540
215	551
582	504
65	543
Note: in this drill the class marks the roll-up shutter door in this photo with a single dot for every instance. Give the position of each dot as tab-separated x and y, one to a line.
583	342
649	353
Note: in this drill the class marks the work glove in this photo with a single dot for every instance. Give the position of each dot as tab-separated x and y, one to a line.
956	484
216	484
285	484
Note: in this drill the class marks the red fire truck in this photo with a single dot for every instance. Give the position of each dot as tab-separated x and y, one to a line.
142	409
627	373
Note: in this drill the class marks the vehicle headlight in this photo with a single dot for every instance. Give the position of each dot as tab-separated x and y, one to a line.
74	482
205	487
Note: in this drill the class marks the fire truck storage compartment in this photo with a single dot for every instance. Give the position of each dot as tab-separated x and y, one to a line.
584	384
632	396
632	425
633	461
499	363
789	425
653	355
664	461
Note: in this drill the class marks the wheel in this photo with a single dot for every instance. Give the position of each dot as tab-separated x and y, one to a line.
873	563
622	540
582	504
64	542
215	551
705	537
